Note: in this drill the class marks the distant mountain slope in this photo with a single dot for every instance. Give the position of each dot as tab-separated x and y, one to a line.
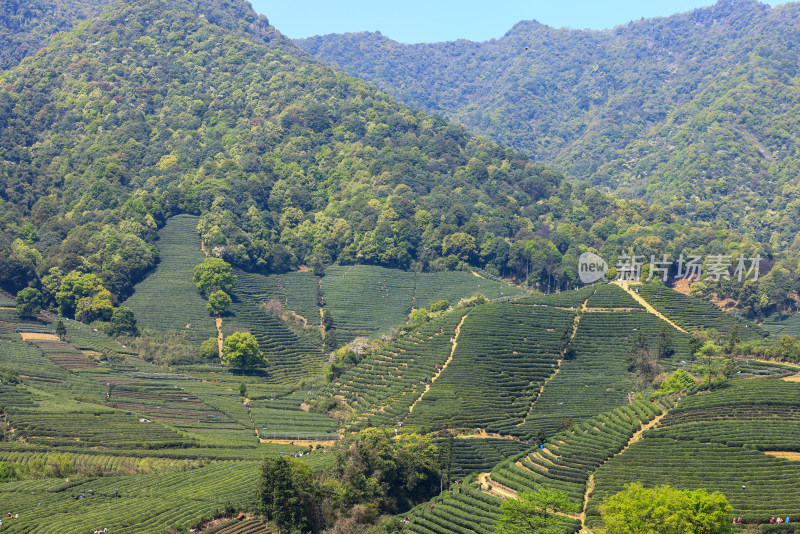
158	108
697	110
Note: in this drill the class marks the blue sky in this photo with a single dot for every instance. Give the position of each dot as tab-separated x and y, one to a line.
414	21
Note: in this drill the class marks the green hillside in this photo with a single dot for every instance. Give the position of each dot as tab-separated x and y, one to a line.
160	133
25	27
285	161
503	355
694	314
365	301
94	407
168	299
650	108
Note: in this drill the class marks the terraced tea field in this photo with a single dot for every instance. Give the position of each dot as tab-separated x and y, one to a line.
694	314
504	354
383	387
596	379
168	299
290	359
134	504
367	300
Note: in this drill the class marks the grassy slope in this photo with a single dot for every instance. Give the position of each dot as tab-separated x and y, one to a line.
168	299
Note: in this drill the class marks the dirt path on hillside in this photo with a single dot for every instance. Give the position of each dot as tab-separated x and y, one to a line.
643	302
634	438
301	442
449	359
547	380
218	322
497	489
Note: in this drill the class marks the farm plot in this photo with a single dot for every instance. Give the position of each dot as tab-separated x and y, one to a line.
694	314
565	462
247	526
168	299
467	511
283	418
297	291
136	504
381	388
7	300
475	455
52	421
778	326
596	379
565	299
611	296
504	353
64	355
100	429
170	403
758	486
367	300
290	358
28	360
760	414
453	286
85	338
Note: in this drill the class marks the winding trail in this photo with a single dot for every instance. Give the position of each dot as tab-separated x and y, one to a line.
449	359
590	484
547	380
220	338
497	489
650	309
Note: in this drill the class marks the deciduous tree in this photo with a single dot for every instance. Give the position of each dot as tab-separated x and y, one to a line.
241	350
29	302
534	512
666	510
214	274
218	302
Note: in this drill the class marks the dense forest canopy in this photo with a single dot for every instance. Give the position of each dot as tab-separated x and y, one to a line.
156	108
697	110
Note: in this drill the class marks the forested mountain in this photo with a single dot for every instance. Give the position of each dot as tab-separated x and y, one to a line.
152	109
27	25
156	108
697	111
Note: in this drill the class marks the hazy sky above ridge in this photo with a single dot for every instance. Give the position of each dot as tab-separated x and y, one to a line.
416	21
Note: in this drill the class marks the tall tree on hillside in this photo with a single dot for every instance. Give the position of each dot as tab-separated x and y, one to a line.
641	360
289	495
214	274
241	350
29	302
218	302
535	512
666	510
665	345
